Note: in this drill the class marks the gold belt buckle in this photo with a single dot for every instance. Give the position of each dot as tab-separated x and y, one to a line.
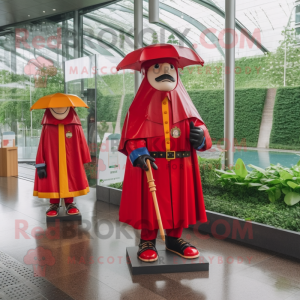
170	155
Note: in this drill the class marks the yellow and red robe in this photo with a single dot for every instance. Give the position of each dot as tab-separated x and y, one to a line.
157	122
64	150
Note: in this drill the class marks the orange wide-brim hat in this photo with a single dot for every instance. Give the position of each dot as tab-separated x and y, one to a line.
58	100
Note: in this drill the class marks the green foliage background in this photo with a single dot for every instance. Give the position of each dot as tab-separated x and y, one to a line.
116	84
286	120
15	104
108	107
126	104
245	203
249	105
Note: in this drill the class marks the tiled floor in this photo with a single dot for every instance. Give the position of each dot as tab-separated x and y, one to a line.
90	258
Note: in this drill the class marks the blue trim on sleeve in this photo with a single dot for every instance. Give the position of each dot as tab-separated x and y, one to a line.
202	145
138	152
40	165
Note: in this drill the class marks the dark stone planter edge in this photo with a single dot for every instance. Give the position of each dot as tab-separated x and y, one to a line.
108	194
222	226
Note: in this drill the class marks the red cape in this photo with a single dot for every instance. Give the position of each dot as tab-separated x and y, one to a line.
64	150
146	106
178	182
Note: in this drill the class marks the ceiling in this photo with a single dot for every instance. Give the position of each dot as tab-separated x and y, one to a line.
15	11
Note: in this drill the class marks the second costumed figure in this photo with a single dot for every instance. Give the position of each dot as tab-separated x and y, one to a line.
163	126
61	154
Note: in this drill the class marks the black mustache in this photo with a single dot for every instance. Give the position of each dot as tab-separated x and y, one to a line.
163	77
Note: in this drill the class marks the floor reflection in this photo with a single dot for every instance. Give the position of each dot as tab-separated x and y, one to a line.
90	259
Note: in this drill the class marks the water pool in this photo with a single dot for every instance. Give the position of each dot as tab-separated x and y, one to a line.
263	158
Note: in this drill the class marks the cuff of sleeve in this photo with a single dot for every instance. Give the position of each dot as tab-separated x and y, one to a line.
40	165
202	145
138	152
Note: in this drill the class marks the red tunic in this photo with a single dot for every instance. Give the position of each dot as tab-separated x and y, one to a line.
64	150
178	182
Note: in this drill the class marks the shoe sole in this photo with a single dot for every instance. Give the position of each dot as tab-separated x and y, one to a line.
187	257
73	214
148	260
52	216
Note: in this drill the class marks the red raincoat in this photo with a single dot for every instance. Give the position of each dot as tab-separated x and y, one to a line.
64	150
178	182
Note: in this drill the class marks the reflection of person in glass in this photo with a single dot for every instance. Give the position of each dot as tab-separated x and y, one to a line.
61	154
163	126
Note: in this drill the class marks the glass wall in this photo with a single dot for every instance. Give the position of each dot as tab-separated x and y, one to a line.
266	33
297	21
103	35
297	17
81	80
32	56
31	66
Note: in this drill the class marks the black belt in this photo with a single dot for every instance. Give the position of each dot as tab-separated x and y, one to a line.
171	154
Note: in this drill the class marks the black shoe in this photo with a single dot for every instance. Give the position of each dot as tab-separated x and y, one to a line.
147	251
53	210
178	246
71	209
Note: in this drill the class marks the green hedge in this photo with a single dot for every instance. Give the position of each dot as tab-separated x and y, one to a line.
126	104
116	83
249	104
286	120
108	107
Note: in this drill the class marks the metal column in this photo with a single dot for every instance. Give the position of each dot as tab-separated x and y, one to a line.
138	37
78	34
153	11
13	54
229	82
78	45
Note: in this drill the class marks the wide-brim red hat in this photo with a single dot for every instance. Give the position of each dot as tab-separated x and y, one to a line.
184	56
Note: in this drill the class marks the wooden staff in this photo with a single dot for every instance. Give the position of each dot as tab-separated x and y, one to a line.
152	188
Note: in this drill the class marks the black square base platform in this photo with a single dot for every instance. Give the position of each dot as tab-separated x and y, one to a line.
62	216
167	262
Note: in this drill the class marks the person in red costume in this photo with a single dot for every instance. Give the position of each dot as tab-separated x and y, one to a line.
163	125
60	157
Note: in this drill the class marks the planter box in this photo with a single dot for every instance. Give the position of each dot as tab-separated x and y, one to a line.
267	237
221	226
108	194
